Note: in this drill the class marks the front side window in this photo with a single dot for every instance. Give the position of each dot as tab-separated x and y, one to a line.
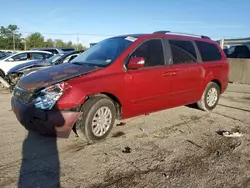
21	57
54	58
105	52
182	51
208	51
70	58
151	51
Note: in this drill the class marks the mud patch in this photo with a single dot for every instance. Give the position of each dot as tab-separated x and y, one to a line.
217	146
211	121
76	147
143	135
189	165
121	124
118	134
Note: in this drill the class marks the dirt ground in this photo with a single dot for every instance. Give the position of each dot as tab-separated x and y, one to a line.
171	148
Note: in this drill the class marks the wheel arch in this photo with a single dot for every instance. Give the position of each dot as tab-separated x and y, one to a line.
205	82
114	98
217	82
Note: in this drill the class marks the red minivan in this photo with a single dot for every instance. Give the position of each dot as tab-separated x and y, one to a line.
119	78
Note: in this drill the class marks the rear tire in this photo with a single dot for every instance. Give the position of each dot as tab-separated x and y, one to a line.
210	97
97	119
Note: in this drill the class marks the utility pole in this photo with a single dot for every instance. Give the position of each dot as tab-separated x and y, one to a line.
77	41
222	43
25	45
14	42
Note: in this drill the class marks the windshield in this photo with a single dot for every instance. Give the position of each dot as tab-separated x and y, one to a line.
105	52
54	58
231	49
7	55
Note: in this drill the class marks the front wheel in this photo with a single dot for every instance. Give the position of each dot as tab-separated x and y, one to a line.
210	97
97	120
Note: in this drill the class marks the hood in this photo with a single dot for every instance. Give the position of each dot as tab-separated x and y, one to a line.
37	80
27	65
33	69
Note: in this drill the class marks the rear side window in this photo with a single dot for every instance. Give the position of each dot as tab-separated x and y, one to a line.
208	51
38	56
182	51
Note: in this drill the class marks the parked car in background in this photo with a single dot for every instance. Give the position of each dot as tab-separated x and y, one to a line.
119	78
15	73
225	51
12	60
239	51
3	54
56	50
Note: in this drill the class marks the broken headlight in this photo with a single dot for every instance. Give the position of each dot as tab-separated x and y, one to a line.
47	98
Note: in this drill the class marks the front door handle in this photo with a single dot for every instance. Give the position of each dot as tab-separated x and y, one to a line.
173	73
169	73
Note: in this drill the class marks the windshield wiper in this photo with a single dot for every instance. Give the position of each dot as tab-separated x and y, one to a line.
88	64
78	63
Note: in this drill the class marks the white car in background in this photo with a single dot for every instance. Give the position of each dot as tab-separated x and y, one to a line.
12	60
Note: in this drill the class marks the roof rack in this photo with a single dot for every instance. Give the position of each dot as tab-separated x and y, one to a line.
164	32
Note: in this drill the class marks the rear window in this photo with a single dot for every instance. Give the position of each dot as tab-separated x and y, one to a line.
208	51
67	49
53	51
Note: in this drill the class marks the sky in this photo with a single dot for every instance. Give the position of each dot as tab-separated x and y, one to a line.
95	20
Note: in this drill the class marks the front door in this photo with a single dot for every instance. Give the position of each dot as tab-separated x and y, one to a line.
148	86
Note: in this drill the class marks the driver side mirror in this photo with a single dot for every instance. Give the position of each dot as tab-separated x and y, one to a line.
136	63
10	60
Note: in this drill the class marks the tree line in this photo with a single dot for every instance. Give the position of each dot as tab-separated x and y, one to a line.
11	38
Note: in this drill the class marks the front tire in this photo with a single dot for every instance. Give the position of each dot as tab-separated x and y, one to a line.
97	120
210	97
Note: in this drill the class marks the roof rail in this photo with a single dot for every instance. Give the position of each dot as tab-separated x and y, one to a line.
164	32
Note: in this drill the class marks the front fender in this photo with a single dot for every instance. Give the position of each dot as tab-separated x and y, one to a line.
71	98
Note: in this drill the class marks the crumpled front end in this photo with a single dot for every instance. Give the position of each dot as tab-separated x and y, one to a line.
37	111
13	79
56	123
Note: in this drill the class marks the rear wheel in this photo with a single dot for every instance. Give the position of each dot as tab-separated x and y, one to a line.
210	97
97	120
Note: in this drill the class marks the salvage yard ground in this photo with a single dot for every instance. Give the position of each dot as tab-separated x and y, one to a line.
172	148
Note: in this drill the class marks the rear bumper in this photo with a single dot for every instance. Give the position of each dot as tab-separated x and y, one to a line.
54	122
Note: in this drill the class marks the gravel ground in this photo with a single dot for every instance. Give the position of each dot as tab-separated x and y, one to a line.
171	148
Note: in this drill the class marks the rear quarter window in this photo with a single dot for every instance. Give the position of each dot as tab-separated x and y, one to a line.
209	51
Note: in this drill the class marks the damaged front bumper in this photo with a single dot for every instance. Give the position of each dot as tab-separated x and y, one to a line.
57	123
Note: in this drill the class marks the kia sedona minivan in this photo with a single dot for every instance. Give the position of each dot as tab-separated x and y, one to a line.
118	78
